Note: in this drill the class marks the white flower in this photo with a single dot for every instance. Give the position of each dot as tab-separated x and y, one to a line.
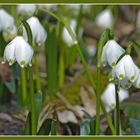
26	9
10	34
9	52
104	19
109	96
126	71
67	37
18	50
38	31
111	53
91	49
7	25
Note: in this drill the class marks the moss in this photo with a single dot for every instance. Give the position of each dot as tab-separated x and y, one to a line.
71	91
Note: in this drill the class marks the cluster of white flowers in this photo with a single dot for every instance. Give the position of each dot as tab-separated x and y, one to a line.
18	49
126	71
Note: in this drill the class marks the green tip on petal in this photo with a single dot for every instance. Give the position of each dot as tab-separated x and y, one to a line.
138	85
132	78
10	62
126	86
75	42
113	64
104	63
22	63
113	105
39	43
30	64
121	76
129	82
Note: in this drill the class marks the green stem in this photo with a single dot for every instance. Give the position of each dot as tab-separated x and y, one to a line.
31	81
98	93
117	111
108	119
89	75
32	101
24	86
38	83
61	68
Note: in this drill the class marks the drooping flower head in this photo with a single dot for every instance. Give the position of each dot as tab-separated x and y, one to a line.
26	9
111	53
126	71
104	19
67	37
7	25
108	96
38	31
18	50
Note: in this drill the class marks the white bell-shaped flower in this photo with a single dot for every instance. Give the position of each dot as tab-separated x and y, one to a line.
26	9
111	53
104	19
10	34
18	50
126	71
7	25
23	52
109	96
38	31
67	37
6	20
9	52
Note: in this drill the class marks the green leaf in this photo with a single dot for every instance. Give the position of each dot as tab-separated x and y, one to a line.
51	53
136	46
38	103
135	126
53	127
27	128
29	32
87	127
132	110
45	128
11	86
